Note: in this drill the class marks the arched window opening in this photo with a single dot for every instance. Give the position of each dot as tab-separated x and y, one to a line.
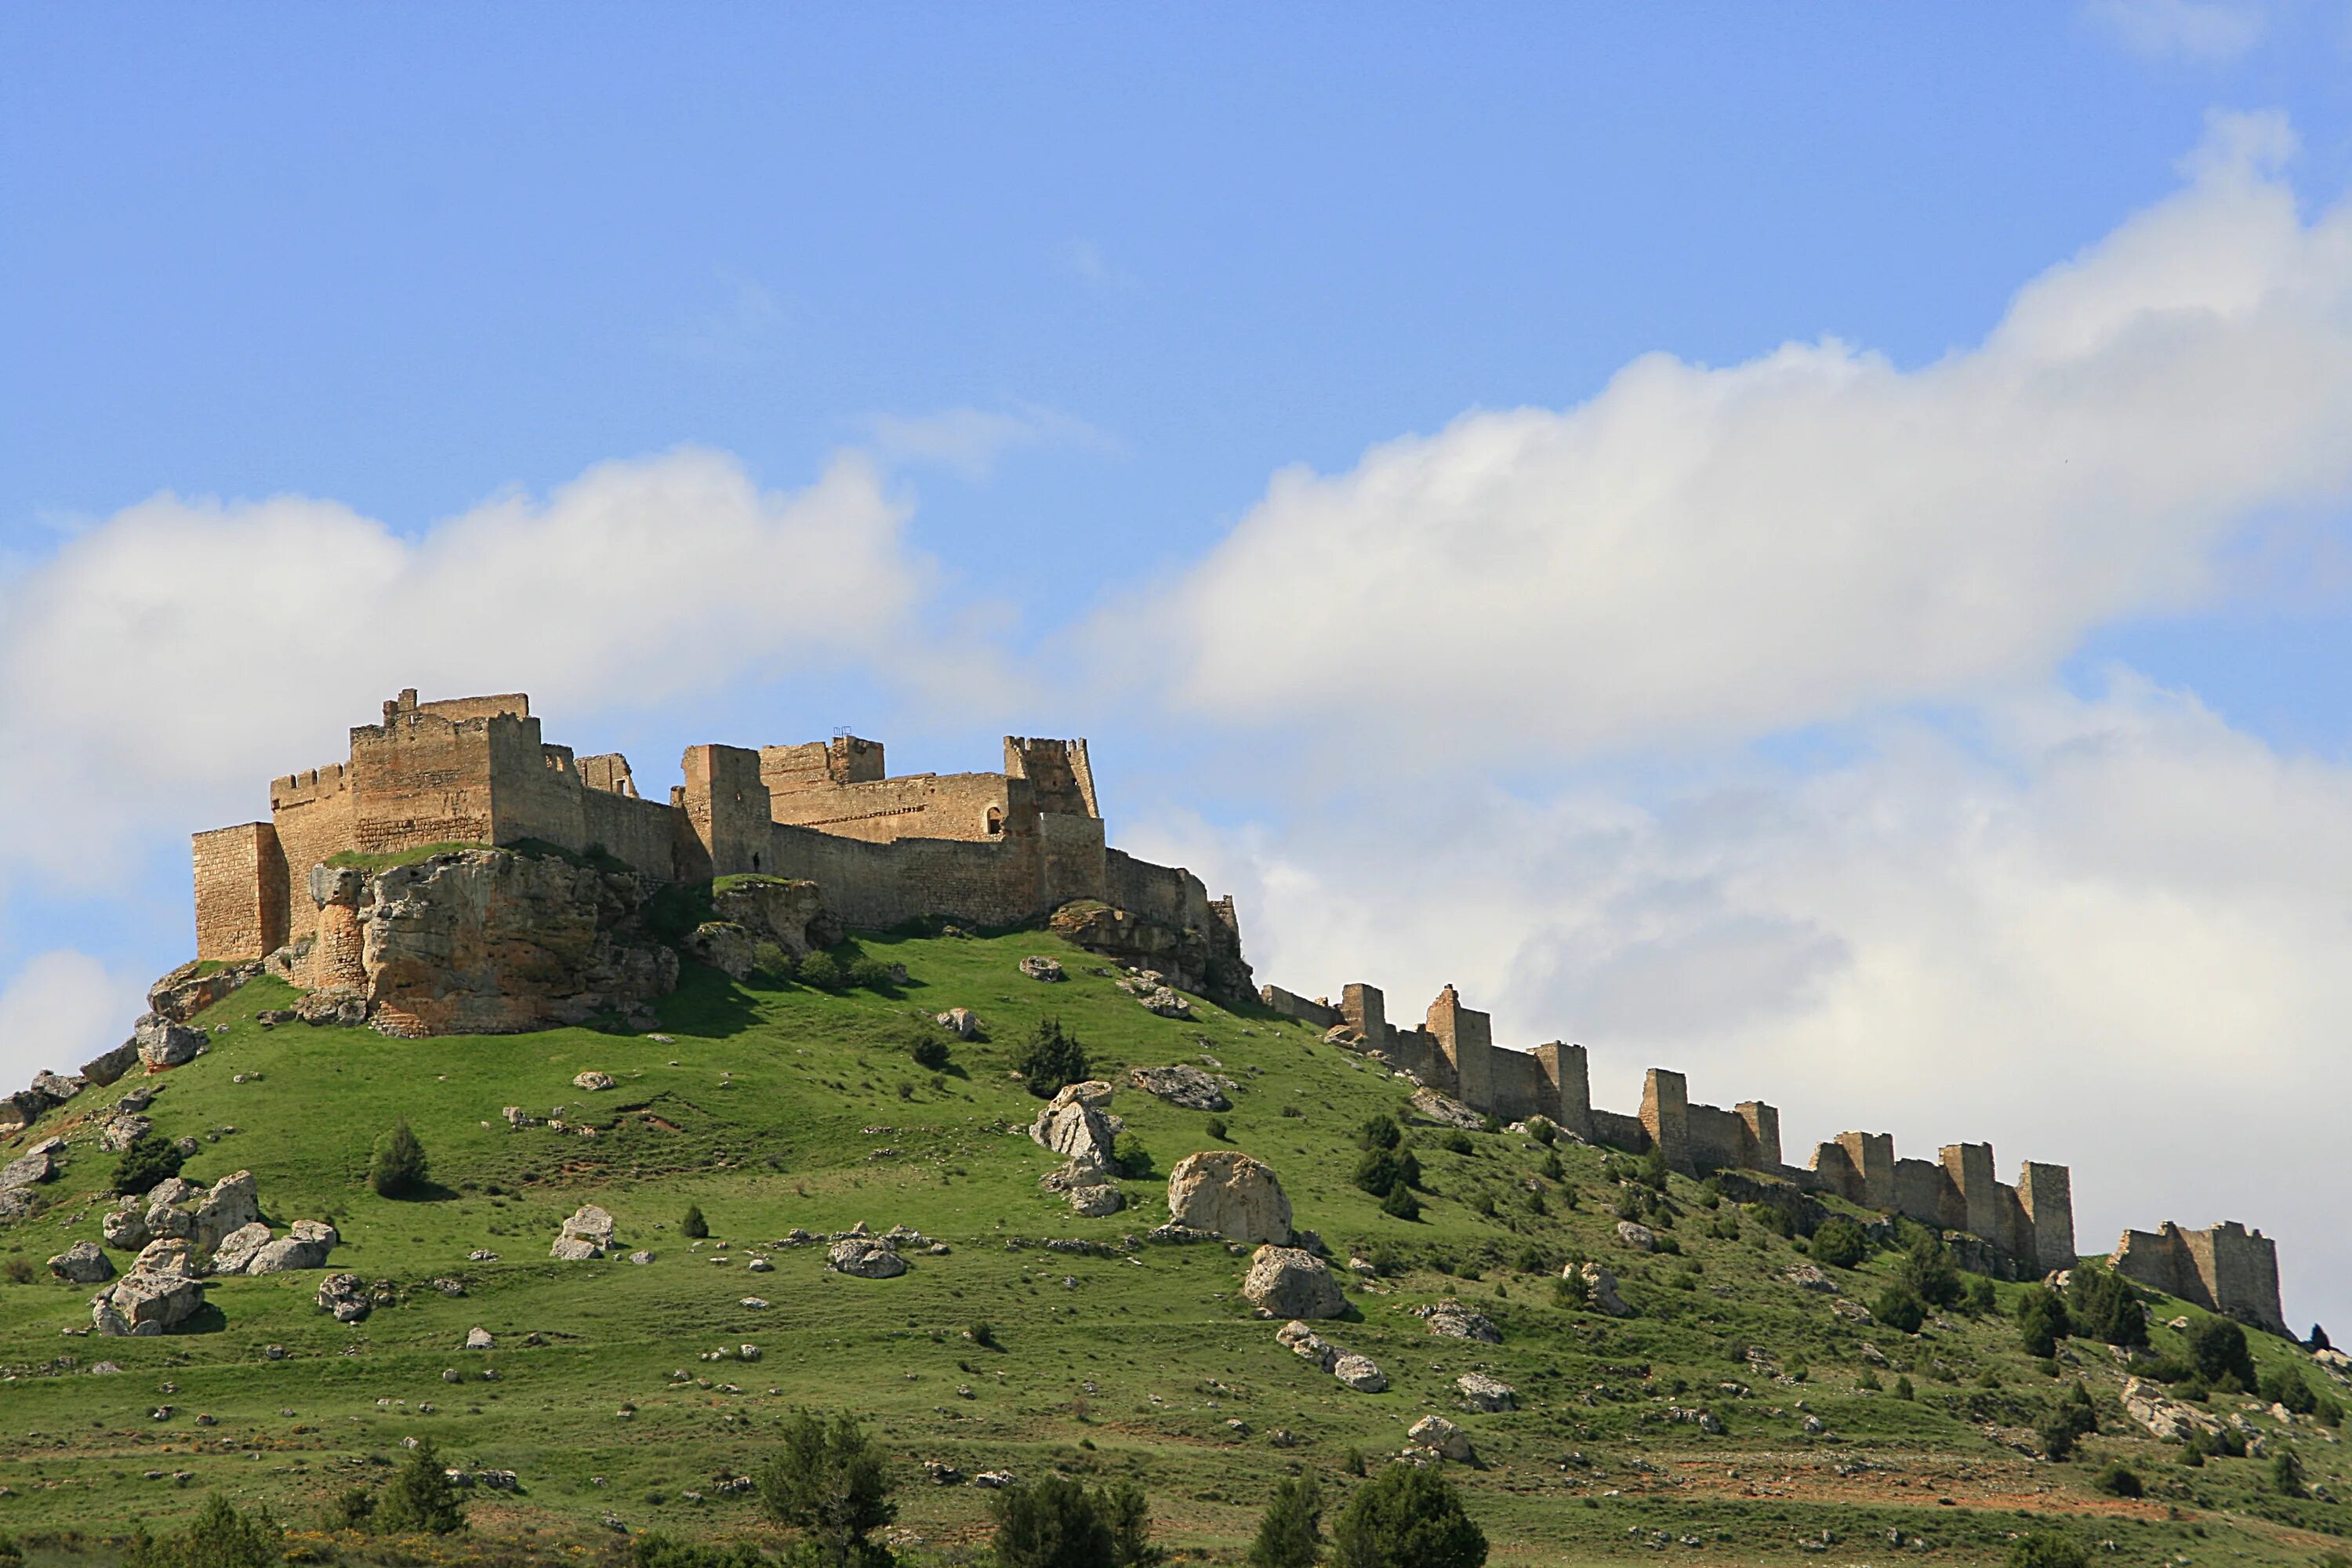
995	822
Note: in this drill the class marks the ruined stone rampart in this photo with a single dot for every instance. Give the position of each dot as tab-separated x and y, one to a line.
2226	1269
1453	1051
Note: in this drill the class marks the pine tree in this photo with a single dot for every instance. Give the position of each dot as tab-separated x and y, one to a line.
421	1499
694	1225
398	1169
1290	1535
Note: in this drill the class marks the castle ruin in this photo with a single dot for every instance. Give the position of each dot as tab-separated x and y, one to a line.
990	849
2226	1269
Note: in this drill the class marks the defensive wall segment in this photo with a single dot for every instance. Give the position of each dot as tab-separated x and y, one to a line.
2225	1269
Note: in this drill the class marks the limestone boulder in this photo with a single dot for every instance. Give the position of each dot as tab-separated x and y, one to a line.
1290	1282
1441	1437
82	1263
1599	1288
1182	1085
1227	1192
494	941
788	913
123	1129
1039	967
1205	959
305	1245
1445	1111
1075	1125
1166	1004
724	946
161	1291
1639	1237
866	1258
125	1225
960	1021
587	1234
57	1088
229	1206
1453	1321
1304	1343
1488	1393
1809	1277
592	1081
31	1168
1097	1202
183	992
237	1248
2165	1417
343	1296
108	1067
162	1043
1360	1373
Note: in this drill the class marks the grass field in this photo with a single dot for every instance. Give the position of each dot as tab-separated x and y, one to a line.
788	1108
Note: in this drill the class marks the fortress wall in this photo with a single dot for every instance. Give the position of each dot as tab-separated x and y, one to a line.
920	805
641	832
1168	894
2046	1193
536	791
1720	1139
1968	1166
1763	1124
1924	1192
609	772
1833	1170
821	764
1366	1012
511	704
1568	1078
1060	777
1465	1036
1665	1115
314	820
1617	1130
420	778
879	885
241	887
1872	1158
1520	1087
2225	1269
727	811
1321	1015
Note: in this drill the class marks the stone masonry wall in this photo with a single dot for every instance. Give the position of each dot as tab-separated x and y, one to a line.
241	890
2226	1269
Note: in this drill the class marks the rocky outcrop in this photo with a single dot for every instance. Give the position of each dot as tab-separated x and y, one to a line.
788	912
161	1291
962	1021
1358	1373
866	1258
1599	1288
725	946
1205	959
163	1043
1182	1085
1291	1282
1099	1201
1225	1191
1039	967
492	941
238	1247
1639	1237
1438	1435
1453	1321
82	1263
1445	1111
185	992
2165	1417
1075	1125
587	1235
592	1080
343	1296
1480	1392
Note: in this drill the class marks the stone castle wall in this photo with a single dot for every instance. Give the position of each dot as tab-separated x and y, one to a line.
2226	1269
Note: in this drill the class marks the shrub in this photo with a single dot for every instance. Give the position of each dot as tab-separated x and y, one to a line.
2218	1349
1380	1173
1840	1244
2047	1549
1406	1517
820	971
2070	1419
18	1271
398	1168
830	1484
2284	1385
655	1550
1899	1310
2286	1473
1928	1273
1456	1141
1402	1203
151	1158
1130	1158
1980	1298
694	1226
1483	1204
353	1509
2041	1322
1290	1534
1773	1219
1541	1130
2117	1480
928	1050
1903	1389
420	1500
1051	1061
1058	1523
1381	1132
2104	1307
1215	1128
218	1537
1531	1260
868	975
1551	1169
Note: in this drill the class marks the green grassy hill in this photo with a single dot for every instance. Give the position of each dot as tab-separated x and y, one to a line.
789	1108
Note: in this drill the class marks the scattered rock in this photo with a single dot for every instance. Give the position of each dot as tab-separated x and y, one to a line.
1446	1111
961	1022
1453	1321
941	1473
161	1043
160	1292
1183	1086
1228	1193
1599	1288
1039	967
725	946
122	1130
82	1263
1290	1282
1639	1237
340	1294
587	1235
1074	1124
1809	1277
865	1257
305	1245
1441	1437
641	1257
1166	1004
237	1248
1097	1202
592	1081
479	1338
1483	1393
1359	1374
994	1481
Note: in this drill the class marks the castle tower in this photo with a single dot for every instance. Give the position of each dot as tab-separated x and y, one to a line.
2046	1192
726	810
1468	1038
1970	1165
1665	1115
1566	1070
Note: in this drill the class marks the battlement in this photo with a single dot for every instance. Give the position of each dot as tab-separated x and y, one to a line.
1453	1051
2226	1269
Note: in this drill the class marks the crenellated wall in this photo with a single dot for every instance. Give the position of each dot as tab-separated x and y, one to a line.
2226	1269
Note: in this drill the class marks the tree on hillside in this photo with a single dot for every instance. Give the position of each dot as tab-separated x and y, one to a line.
1407	1517
2048	1549
398	1169
1051	1060
1899	1310
218	1537
693	1224
2041	1322
1290	1535
421	1500
1380	1132
1928	1273
1058	1523
1839	1243
828	1482
151	1159
2218	1347
2105	1307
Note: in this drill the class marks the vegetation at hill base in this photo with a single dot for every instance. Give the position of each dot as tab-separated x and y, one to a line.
734	1401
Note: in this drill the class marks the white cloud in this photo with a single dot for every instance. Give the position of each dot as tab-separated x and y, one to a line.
2211	31
969	441
161	666
1702	553
60	1009
2113	937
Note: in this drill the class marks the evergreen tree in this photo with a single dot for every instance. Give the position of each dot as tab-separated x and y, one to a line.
2048	1549
694	1226
1290	1535
2218	1347
2041	1322
1928	1273
1051	1060
1839	1243
1406	1517
1058	1523
829	1483
2105	1307
421	1499
398	1169
151	1159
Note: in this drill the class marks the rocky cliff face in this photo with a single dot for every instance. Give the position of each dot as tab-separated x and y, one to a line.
490	942
1206	962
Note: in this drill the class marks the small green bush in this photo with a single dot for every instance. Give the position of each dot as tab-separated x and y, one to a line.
1290	1533
1899	1310
2047	1549
2117	1480
2284	1385
830	1483
1051	1060
1402	1203
1980	1298
1903	1389
1379	1133
2217	1347
1406	1517
1130	1158
1380	1171
398	1168
1840	1243
421	1500
2286	1473
1541	1130
151	1158
218	1537
1456	1141
1551	1170
1928	1273
694	1226
868	975
928	1051
820	971
2105	1308
2041	1322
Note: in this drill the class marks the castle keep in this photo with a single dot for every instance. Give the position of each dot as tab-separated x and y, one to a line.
987	849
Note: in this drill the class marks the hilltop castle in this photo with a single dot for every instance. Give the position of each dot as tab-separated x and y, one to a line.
985	848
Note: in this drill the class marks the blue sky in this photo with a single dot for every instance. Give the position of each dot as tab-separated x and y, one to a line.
1804	716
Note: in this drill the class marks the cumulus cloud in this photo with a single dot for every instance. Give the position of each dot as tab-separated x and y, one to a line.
2111	933
58	1011
165	662
1705	554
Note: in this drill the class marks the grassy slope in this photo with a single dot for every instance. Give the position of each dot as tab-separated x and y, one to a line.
777	1109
